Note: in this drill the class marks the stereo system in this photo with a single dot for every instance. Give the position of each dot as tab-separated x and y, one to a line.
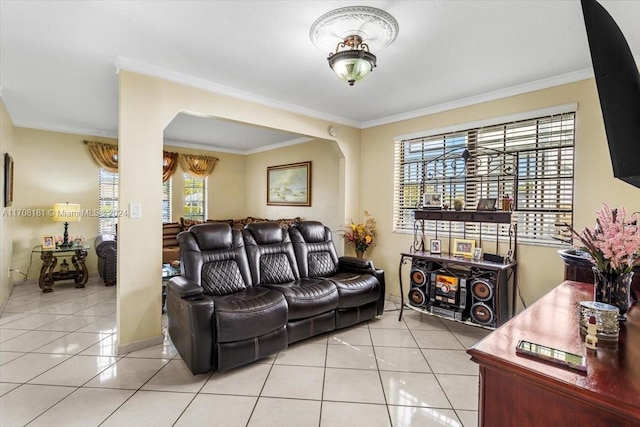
459	294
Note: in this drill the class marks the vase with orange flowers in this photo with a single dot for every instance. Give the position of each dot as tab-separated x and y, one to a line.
360	236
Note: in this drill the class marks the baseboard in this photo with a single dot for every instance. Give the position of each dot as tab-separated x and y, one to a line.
139	345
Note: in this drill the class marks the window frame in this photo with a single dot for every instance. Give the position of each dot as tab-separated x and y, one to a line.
202	203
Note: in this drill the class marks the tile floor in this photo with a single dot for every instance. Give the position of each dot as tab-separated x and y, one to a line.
58	367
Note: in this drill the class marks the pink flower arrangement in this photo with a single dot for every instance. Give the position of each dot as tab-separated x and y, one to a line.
614	243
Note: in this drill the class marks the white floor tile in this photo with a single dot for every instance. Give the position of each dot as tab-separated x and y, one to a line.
246	380
462	390
351	385
150	408
413	389
425	322
127	373
355	335
103	324
351	356
31	340
393	338
165	350
105	347
8	317
387	321
83	408
26	402
7	387
401	359
75	371
468	418
22	369
7	334
437	339
450	362
176	376
301	382
72	343
33	321
69	323
271	412
227	411
411	416
334	414
8	356
303	354
471	337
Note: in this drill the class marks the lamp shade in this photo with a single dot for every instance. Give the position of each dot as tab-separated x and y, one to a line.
352	65
66	212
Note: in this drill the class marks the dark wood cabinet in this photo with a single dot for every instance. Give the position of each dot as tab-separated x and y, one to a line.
516	390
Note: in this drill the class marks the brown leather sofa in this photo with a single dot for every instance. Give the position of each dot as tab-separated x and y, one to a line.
106	249
245	295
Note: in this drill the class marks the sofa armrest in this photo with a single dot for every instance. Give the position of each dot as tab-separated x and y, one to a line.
353	264
183	287
364	266
190	314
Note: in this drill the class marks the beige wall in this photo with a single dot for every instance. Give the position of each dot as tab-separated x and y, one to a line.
540	268
6	219
325	182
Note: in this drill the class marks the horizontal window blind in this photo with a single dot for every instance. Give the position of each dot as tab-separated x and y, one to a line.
166	201
107	202
530	160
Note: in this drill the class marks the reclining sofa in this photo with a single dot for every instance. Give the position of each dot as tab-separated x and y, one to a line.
244	295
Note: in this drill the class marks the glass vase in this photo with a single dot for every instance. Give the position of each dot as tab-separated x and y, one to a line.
614	289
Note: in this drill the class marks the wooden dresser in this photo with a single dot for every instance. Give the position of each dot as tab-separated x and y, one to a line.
518	391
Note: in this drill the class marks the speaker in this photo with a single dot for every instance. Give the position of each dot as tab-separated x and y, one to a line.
488	299
419	289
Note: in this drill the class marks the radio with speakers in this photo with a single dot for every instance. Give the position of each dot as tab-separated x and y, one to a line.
419	293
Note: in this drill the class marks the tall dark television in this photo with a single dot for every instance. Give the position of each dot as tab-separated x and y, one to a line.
618	83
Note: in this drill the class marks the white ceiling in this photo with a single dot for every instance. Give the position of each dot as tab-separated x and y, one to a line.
57	59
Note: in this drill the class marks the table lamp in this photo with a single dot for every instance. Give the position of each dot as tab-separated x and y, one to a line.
66	212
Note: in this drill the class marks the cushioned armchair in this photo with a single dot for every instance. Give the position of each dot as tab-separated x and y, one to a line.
312	302
106	249
360	286
217	319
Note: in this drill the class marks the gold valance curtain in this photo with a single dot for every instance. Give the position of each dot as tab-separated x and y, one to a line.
169	165
104	155
198	166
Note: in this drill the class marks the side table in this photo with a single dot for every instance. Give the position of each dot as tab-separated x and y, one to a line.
48	274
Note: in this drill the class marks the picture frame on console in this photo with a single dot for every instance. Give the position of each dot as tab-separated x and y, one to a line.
435	246
432	201
289	185
488	204
477	254
464	247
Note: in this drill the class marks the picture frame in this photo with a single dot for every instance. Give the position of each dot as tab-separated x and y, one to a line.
432	201
289	185
435	246
48	242
488	204
464	247
8	180
477	254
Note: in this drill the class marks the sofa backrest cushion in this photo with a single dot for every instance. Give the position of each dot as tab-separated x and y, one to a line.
170	232
271	256
314	249
214	256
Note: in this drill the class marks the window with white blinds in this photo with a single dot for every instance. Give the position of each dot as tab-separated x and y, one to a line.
539	153
195	190
107	202
166	201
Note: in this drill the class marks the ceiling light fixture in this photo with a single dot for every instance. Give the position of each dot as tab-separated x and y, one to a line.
345	30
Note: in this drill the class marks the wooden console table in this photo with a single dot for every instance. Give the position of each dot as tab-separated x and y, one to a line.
48	274
515	390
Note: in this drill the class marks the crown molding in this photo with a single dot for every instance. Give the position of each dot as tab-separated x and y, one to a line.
198	146
123	63
65	129
486	97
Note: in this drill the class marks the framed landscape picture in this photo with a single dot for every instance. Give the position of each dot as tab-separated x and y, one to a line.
289	185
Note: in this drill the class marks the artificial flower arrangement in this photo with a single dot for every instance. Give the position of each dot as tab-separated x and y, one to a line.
614	243
360	236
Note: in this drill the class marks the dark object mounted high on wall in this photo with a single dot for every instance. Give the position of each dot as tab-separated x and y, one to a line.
618	83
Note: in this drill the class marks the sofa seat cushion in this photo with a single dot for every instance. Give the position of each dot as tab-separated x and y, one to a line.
248	314
356	289
308	297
